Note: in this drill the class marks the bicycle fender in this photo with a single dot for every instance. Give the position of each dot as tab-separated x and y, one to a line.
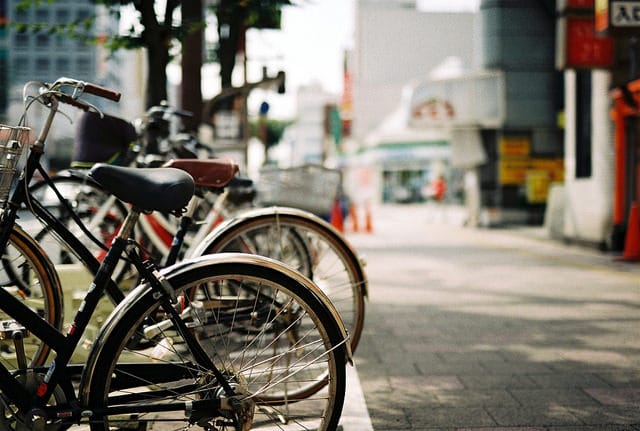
143	291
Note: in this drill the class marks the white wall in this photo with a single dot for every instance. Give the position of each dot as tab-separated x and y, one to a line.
588	201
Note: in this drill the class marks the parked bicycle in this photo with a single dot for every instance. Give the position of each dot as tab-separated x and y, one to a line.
231	355
295	237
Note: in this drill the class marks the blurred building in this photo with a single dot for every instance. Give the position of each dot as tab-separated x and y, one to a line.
43	55
47	55
481	106
527	123
396	46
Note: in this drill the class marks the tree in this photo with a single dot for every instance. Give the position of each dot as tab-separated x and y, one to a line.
192	48
234	18
158	32
159	29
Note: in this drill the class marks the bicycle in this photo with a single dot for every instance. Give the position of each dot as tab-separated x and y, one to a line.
295	237
263	331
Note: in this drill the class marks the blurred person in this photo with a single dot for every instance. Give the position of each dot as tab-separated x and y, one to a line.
436	192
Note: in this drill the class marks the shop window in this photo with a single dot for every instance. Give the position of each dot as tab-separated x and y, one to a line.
583	124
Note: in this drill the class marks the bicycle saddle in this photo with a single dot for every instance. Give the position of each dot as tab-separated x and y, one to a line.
149	189
213	173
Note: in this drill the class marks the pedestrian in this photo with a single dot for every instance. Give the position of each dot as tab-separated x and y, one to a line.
438	188
436	193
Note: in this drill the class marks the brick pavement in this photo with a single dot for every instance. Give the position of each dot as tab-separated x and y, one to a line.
495	329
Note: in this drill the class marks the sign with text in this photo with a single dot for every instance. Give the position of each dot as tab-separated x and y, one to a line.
580	46
625	14
617	17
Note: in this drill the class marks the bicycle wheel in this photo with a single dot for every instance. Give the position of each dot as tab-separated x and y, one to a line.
268	332
306	243
28	275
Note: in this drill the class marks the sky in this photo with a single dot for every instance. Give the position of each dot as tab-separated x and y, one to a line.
311	44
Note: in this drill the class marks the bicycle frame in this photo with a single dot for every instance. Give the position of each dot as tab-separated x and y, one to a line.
161	232
60	373
73	243
62	344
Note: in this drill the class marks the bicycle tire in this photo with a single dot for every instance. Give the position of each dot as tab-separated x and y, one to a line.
27	272
337	269
305	331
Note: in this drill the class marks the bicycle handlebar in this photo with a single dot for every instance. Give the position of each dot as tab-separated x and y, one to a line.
100	91
65	98
79	88
163	109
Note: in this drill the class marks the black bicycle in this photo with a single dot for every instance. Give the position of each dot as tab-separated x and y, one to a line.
219	341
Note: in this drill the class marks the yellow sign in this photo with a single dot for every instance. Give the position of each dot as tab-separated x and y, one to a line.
513	171
537	186
514	146
554	167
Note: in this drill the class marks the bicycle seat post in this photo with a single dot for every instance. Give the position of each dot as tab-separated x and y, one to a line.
126	231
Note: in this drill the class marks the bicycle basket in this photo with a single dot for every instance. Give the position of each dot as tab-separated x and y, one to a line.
12	141
311	188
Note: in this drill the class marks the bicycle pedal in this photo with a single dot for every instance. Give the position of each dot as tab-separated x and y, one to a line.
10	329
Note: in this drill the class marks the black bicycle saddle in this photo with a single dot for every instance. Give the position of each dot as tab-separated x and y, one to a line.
148	189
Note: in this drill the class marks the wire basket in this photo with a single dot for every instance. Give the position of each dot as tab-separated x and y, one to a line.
12	141
311	188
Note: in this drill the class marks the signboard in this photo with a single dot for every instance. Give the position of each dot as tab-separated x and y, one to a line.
579	4
518	171
617	17
512	171
537	186
514	146
625	14
581	47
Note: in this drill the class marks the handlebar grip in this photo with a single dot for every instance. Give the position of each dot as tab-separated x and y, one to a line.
64	98
100	91
183	114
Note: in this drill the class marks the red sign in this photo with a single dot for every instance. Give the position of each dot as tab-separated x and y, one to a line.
581	4
584	48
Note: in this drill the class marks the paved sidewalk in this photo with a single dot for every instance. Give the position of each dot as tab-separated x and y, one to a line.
495	329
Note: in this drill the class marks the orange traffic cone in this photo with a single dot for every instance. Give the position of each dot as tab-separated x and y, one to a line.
368	226
336	216
353	215
632	239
